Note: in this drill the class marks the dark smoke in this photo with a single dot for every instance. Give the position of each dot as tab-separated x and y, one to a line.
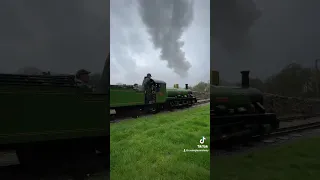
166	20
59	36
286	32
232	20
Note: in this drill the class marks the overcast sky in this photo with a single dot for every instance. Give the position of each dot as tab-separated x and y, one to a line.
264	37
135	52
61	36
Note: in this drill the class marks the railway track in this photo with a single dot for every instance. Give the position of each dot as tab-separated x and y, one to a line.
295	129
199	103
296	117
280	136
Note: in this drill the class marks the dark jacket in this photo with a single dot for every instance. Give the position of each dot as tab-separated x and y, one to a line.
145	83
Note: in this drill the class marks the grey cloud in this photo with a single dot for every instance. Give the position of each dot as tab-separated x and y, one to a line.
113	69
61	36
137	42
121	25
232	20
123	57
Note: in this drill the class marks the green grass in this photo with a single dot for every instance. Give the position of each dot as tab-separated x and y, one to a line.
151	148
295	161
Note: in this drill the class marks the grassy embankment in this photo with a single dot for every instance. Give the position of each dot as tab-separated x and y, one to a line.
152	147
293	161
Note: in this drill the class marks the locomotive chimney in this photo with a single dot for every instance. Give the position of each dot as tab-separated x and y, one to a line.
245	79
186	86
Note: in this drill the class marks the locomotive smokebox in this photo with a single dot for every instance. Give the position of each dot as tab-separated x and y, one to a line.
245	79
187	86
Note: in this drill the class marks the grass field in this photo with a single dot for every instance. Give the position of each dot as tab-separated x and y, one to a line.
152	148
295	161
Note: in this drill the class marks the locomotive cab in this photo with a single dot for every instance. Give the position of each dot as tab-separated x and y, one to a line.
155	91
149	88
160	91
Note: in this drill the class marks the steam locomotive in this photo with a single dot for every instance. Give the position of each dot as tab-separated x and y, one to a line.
49	118
238	112
130	100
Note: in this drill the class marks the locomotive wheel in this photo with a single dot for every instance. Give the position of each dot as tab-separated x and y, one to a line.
154	109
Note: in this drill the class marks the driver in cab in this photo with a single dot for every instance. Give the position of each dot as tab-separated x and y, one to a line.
146	80
146	87
82	79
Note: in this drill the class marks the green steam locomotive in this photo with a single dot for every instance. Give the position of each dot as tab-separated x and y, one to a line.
130	100
238	111
47	118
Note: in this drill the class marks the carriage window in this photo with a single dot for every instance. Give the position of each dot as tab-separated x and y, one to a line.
157	87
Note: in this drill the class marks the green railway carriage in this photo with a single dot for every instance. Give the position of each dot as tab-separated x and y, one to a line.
238	111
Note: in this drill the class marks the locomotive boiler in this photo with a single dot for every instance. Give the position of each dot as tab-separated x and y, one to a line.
238	111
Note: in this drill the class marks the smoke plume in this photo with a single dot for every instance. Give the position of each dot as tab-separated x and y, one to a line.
232	20
286	32
166	20
36	34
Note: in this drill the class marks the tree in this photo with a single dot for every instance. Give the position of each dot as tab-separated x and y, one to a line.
290	81
202	87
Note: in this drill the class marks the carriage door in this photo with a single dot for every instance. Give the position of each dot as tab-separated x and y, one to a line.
151	93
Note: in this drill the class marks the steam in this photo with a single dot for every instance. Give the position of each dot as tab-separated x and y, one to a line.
166	20
232	20
285	32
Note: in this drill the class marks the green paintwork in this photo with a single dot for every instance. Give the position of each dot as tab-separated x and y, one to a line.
172	92
127	95
236	95
42	116
122	95
162	94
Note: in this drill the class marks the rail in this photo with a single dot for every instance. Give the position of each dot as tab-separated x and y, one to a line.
296	128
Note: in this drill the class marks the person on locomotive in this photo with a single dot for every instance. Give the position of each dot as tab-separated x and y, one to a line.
146	79
146	85
82	78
